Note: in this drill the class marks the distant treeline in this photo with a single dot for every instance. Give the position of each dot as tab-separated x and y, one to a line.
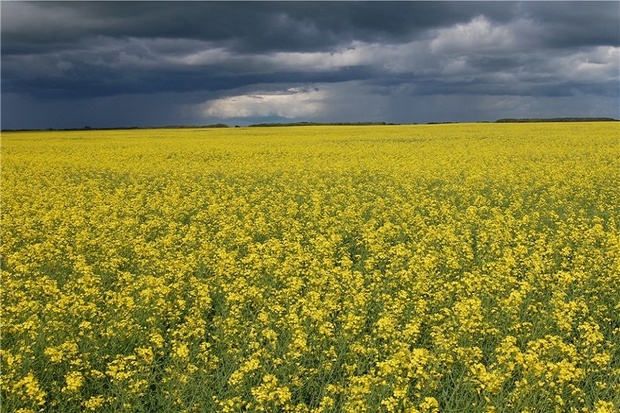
216	125
277	124
268	125
525	120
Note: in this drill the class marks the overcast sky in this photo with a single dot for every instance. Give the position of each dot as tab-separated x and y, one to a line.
108	64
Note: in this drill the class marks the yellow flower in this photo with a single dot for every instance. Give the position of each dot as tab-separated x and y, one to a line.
94	402
29	390
157	340
74	381
430	404
605	407
54	354
180	351
146	354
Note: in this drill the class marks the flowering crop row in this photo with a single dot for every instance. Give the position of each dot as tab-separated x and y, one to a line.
432	268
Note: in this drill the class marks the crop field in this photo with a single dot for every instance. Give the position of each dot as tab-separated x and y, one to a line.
421	268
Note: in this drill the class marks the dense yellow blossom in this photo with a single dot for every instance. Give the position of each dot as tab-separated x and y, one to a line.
428	268
74	381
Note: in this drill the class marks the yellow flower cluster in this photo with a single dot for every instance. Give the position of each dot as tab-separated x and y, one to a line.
429	268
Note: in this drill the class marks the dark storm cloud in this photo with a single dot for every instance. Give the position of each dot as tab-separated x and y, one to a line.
206	53
579	24
243	26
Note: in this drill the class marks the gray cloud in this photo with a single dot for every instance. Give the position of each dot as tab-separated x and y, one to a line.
192	56
242	26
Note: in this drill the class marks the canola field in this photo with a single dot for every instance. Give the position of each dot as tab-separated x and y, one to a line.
422	268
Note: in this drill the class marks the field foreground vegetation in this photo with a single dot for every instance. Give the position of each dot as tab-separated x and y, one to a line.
431	268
